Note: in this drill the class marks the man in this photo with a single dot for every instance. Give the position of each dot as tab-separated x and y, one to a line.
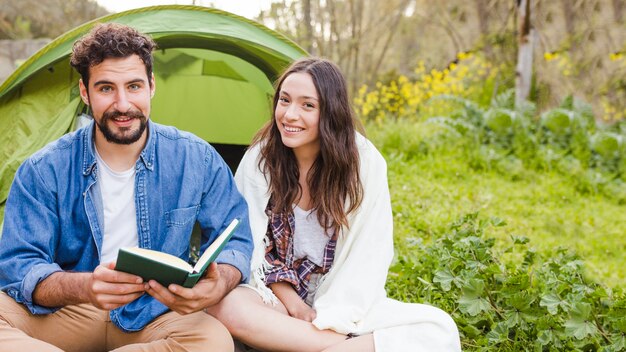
121	181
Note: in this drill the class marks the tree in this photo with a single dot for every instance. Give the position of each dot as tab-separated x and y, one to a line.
356	34
24	19
523	72
308	29
618	11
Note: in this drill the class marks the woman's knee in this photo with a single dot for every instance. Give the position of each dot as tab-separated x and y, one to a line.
234	311
448	331
447	323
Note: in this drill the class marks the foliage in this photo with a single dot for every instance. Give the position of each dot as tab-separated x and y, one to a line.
543	302
498	135
609	94
470	76
355	34
504	294
565	139
579	45
432	182
26	19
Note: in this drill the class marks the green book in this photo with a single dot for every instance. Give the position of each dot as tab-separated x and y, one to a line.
167	269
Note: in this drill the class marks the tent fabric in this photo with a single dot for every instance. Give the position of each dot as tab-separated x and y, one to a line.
214	73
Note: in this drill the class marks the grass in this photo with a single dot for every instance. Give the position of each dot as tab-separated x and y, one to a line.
432	184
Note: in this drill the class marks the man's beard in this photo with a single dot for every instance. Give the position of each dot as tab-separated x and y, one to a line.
122	138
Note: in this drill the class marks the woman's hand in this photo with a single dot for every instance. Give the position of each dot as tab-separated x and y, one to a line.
293	303
302	311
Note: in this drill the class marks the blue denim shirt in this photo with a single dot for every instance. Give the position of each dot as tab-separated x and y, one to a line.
54	215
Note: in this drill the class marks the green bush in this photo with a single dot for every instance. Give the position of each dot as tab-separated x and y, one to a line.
542	302
509	139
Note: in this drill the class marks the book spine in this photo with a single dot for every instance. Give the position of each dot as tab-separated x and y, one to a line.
192	279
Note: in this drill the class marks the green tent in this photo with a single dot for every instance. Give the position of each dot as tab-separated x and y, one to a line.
214	73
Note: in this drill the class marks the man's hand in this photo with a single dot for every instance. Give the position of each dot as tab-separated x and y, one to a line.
105	288
109	289
216	283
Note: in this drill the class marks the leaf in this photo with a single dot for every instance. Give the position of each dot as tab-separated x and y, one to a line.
499	120
473	305
471	331
579	324
580	329
619	342
444	278
545	337
496	221
620	325
499	333
551	301
580	311
520	239
557	121
521	301
606	144
515	318
474	288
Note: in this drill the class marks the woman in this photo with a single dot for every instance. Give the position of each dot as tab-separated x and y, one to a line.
321	217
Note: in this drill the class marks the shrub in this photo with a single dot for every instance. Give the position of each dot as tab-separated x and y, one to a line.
542	302
469	76
564	139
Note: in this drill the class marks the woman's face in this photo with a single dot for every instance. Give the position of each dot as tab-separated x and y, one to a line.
298	115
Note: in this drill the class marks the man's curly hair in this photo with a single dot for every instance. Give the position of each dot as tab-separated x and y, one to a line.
110	40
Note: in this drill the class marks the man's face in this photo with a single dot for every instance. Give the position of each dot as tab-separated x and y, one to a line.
119	95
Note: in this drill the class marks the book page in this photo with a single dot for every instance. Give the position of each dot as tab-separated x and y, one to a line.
161	257
216	245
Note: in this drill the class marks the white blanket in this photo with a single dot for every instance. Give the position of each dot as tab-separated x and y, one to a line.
352	297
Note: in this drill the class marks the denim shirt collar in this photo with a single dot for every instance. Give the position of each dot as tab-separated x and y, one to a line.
89	157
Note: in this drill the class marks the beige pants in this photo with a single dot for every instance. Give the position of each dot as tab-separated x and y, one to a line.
85	328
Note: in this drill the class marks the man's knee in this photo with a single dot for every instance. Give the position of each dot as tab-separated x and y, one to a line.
202	332
16	330
13	313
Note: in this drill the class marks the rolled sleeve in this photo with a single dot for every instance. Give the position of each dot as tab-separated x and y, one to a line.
35	275
29	231
238	260
283	275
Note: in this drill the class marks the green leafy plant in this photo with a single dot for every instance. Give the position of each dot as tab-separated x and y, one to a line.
510	139
541	302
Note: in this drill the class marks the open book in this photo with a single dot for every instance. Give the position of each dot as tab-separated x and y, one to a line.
168	269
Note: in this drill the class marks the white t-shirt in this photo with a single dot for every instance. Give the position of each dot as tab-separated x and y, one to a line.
118	201
309	238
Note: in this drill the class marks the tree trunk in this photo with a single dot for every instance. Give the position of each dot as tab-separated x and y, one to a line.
308	28
568	16
392	32
483	24
356	17
320	38
523	72
334	42
449	26
618	11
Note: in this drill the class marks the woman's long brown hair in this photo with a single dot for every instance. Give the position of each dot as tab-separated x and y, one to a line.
334	183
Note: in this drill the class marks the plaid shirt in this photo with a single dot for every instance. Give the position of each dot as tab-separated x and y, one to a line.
279	254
